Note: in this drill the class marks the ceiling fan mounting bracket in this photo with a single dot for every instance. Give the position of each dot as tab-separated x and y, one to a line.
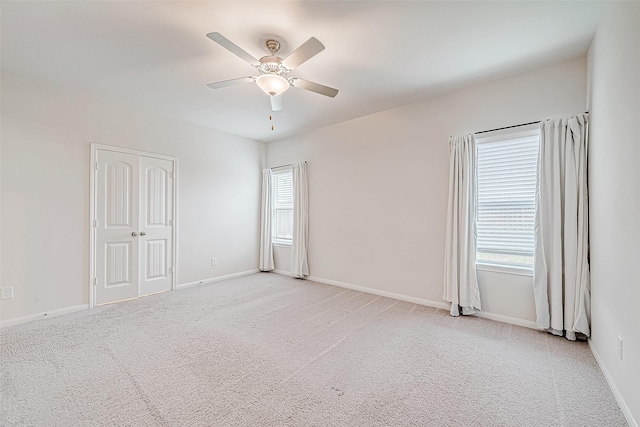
273	46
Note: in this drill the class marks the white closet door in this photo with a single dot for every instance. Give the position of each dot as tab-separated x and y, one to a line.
117	240
156	225
134	226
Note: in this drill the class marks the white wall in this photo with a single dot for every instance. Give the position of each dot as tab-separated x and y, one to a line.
46	135
378	185
614	181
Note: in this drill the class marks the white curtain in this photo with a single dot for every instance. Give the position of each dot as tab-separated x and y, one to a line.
561	265
299	248
460	281
266	248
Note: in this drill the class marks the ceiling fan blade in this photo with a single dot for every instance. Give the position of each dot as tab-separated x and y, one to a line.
276	103
314	87
233	48
309	49
225	83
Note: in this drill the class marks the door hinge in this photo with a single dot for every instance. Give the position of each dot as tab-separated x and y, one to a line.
95	281
170	270
95	223
95	165
170	222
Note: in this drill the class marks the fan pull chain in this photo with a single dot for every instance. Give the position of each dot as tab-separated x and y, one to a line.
271	119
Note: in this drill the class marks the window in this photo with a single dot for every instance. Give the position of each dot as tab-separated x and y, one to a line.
282	224
507	165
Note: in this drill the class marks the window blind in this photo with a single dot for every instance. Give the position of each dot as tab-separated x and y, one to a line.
507	166
283	206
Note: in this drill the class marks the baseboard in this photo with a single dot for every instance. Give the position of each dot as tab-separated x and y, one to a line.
46	314
421	301
216	279
507	319
612	385
283	272
437	304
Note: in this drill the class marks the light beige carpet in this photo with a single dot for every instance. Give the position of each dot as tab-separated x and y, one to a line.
268	350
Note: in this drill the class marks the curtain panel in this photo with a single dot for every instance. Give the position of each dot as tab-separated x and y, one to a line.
300	245
460	281
266	248
561	262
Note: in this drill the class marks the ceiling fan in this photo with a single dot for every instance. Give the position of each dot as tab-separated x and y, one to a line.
273	70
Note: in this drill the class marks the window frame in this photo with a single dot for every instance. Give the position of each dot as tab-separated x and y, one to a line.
275	240
492	137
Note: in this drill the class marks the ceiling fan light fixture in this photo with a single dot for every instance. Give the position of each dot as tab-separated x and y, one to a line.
272	84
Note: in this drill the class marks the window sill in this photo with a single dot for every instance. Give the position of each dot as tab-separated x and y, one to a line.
505	269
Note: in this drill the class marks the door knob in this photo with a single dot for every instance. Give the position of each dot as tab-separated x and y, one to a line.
134	234
142	233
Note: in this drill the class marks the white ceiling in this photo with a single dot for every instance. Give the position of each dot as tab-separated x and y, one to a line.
379	54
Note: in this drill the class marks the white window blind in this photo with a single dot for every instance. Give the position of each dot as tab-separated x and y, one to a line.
282	205
507	166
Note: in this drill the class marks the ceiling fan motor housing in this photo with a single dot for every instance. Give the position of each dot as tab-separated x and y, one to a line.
272	65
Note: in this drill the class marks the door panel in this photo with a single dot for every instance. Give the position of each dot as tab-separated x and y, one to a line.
119	264
118	186
156	209
156	180
156	255
116	214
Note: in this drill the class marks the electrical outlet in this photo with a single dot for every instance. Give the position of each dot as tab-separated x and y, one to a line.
6	293
620	342
214	262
